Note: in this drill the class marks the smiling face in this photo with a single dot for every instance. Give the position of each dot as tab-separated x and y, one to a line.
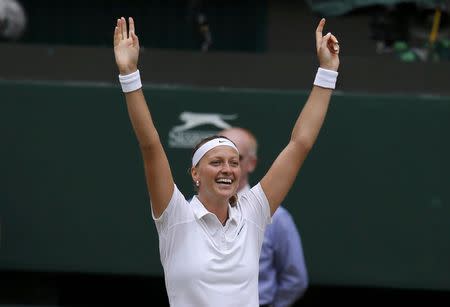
247	146
218	174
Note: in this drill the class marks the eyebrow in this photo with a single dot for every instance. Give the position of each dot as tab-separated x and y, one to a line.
224	158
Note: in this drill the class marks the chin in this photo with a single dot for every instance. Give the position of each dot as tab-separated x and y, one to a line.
227	192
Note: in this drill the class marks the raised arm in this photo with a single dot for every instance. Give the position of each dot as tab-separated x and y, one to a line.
157	170
281	175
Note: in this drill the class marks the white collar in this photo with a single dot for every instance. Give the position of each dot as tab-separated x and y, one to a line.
200	211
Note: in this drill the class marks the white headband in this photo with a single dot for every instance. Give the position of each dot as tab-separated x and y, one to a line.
202	150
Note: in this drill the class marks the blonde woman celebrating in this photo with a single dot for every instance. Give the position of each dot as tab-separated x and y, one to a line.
210	246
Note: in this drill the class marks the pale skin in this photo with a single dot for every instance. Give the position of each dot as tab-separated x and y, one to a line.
221	163
247	146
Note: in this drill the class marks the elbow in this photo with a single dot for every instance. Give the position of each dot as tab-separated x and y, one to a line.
302	286
149	149
304	143
149	142
302	280
145	146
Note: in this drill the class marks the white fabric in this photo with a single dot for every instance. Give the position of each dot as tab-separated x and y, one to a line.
326	78
199	153
130	82
206	263
243	190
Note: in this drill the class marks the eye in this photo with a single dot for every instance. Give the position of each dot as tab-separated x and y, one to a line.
215	162
234	163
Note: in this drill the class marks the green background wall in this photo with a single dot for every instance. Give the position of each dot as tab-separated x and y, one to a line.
371	202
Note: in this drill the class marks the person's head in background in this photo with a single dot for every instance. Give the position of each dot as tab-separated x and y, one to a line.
248	147
13	20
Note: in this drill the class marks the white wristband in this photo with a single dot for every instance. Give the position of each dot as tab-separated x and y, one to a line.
130	82
326	78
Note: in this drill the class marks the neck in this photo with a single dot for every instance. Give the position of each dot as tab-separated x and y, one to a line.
219	207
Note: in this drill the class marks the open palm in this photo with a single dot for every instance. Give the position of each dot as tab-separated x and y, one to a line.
126	46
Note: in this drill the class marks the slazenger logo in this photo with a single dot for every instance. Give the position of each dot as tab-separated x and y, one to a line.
183	137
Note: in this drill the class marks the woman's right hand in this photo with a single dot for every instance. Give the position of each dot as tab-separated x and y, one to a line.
126	46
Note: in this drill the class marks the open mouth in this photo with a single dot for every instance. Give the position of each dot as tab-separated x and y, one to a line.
226	181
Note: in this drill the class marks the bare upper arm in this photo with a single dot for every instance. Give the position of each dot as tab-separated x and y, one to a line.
159	178
279	179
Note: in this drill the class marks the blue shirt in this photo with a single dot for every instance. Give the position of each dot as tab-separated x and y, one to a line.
283	277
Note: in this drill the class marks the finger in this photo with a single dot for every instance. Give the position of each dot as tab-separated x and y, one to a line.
124	28
333	44
131	24
134	38
334	39
132	31
319	31
333	47
325	40
121	28
116	36
116	33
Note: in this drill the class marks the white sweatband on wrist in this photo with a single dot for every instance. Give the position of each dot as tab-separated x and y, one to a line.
202	150
130	82
326	78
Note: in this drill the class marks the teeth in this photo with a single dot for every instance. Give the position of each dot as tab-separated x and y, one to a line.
223	180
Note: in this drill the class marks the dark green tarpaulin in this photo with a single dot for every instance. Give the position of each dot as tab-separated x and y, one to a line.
341	7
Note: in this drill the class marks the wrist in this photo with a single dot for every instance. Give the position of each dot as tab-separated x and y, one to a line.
326	78
328	67
329	64
126	70
130	82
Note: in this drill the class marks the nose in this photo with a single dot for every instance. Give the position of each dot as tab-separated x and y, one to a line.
226	168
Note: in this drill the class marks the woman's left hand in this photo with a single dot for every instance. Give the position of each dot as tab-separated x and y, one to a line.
327	48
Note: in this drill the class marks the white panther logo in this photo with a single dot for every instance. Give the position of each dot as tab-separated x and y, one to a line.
182	137
192	120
